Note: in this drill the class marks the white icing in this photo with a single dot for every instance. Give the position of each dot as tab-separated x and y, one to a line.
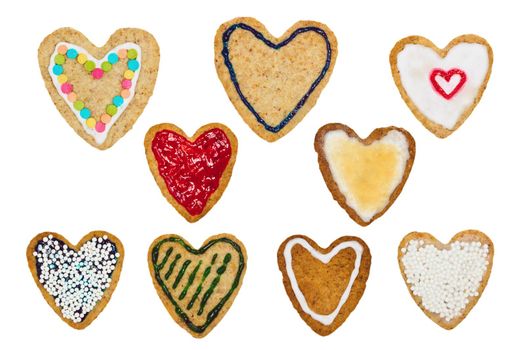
99	137
415	64
332	142
325	259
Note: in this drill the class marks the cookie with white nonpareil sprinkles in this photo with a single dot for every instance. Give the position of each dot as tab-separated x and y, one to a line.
441	86
365	176
191	172
324	285
197	286
76	280
274	82
446	280
100	92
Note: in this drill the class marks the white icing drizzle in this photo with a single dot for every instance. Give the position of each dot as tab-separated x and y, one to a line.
325	259
99	137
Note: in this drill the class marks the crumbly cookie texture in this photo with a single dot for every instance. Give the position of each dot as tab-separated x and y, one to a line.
441	86
76	280
197	286
100	92
365	176
446	280
274	82
324	284
191	172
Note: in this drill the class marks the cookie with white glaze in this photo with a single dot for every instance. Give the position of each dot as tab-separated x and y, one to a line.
446	280
100	91
441	86
274	82
324	284
365	176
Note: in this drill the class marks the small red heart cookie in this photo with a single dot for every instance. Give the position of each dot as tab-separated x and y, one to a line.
76	280
441	86
192	173
324	285
446	280
365	176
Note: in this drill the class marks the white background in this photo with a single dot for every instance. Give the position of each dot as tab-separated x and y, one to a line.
52	180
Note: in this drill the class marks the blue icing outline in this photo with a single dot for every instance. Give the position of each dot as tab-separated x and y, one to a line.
225	54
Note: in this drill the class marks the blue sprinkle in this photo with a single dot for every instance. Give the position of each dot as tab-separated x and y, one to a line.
118	100
58	69
133	65
113	58
85	113
72	53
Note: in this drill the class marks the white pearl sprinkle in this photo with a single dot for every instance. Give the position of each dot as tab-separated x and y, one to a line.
445	279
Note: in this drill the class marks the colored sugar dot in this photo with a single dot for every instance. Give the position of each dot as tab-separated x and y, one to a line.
72	54
111	109
90	122
122	53
118	101
133	65
66	88
105	118
97	73
125	93
126	83
112	58
78	105
72	97
106	66
89	66
62	49
60	59
62	78
81	58
85	113
128	74
58	69
132	54
100	127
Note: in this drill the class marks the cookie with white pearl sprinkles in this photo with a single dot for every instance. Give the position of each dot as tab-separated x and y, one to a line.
446	280
76	280
100	91
441	86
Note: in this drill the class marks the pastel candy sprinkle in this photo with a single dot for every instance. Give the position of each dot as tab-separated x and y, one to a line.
60	59
125	93
72	53
132	54
118	101
66	88
126	83
89	66
58	69
62	78
105	118
81	58
112	58
97	73
90	122
133	65
62	49
111	109
85	113
78	105
106	66
128	74
122	53
100	127
72	97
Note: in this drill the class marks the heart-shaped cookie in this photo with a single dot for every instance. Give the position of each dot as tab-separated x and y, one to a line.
446	280
364	176
76	280
197	286
324	285
100	91
274	82
192	173
441	86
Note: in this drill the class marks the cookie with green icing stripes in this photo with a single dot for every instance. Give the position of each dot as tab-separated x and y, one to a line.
197	286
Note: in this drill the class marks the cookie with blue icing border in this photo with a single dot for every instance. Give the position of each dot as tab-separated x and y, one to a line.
274	82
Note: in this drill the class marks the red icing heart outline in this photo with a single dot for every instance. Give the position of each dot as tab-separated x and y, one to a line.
447	75
192	170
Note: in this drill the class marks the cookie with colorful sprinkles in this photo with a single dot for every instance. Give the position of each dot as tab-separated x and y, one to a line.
100	92
191	172
197	286
446	280
77	281
274	82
